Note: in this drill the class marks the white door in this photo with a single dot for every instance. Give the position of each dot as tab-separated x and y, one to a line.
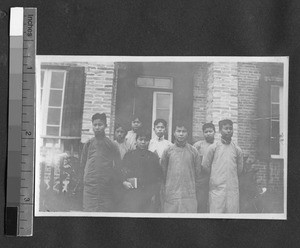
163	108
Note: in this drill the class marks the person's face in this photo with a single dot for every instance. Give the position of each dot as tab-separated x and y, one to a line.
209	134
227	131
142	142
160	129
98	127
120	134
136	124
181	134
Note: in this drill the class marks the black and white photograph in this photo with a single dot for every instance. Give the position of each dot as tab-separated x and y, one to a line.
162	137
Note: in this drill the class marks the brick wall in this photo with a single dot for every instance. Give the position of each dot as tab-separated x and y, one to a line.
231	92
248	86
100	89
222	94
199	102
99	97
248	78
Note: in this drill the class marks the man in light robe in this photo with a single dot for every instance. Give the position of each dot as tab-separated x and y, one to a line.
202	146
157	145
181	165
224	161
98	158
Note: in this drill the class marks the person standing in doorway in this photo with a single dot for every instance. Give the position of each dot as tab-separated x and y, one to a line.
120	134
158	144
130	138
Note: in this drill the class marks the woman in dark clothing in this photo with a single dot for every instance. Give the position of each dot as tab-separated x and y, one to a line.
142	176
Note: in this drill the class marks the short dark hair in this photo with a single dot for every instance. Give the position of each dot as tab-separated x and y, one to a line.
157	121
143	132
181	123
118	125
135	116
225	122
102	117
208	125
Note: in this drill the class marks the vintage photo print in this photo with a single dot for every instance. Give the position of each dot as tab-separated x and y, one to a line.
179	137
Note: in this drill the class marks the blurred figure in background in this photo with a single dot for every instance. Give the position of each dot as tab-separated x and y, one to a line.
202	145
120	134
130	138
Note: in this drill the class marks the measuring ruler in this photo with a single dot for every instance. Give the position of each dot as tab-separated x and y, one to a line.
21	123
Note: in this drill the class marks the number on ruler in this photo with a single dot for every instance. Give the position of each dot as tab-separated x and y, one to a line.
28	133
27	199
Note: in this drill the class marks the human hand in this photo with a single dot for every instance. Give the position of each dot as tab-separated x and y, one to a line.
127	185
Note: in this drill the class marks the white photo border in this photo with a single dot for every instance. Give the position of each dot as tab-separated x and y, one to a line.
57	58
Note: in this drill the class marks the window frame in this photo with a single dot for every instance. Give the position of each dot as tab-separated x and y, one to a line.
45	96
154	86
281	122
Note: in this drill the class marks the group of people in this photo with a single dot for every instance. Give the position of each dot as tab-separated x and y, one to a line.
135	173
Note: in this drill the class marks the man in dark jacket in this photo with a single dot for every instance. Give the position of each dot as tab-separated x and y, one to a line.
99	156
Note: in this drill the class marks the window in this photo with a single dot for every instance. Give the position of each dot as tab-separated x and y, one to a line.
149	82
52	99
276	123
61	105
162	108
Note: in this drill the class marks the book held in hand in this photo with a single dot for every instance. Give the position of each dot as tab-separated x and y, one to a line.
133	182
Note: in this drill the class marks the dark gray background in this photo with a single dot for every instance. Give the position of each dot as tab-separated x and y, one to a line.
181	28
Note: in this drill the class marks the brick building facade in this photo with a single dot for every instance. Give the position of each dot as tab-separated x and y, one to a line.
198	92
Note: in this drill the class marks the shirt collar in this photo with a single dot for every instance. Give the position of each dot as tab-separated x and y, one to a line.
180	144
159	139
